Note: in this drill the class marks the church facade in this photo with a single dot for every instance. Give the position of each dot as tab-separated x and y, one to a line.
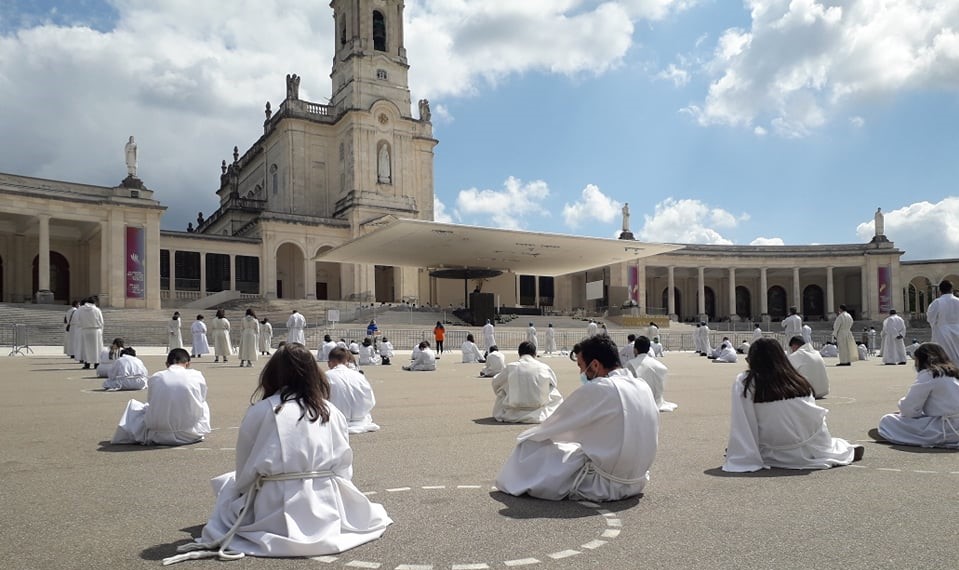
323	174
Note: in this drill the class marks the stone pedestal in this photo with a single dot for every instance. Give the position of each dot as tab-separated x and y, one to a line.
44	297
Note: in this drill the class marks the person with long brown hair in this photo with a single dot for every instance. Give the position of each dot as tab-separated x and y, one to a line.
775	421
291	493
929	412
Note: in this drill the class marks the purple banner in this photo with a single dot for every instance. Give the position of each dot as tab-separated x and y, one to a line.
134	255
633	281
884	279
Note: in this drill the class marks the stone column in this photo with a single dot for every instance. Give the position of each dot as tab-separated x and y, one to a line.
671	293
105	258
202	274
763	294
830	295
641	287
232	272
732	295
702	293
535	290
43	259
864	310
797	292
172	274
309	270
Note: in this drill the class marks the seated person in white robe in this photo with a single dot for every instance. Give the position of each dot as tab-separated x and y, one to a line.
368	356
725	353
127	373
829	350
108	356
293	474
386	351
743	348
911	349
809	363
863	351
525	390
598	445
176	411
646	368
471	352
323	353
495	363
657	348
354	347
775	421
351	393
424	359
929	413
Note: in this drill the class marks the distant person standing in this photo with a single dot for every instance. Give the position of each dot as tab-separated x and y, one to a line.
266	336
68	335
221	337
842	330
592	328
807	333
488	335
531	336
792	325
174	336
201	345
439	335
943	317
893	339
651	332
295	325
90	320
757	333
550	339
249	337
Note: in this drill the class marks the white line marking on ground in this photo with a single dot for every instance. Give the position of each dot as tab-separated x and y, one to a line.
563	554
614	522
368	493
432	487
521	562
362	564
397	489
858	466
469	486
887	469
227	449
470	566
594	544
202	449
326	559
921	471
610	533
415	567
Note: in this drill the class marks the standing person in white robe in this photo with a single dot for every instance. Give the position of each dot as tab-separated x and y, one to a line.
176	412
531	335
845	342
893	335
628	351
775	421
550	339
291	494
266	336
90	320
704	339
368	356
295	325
646	368
386	351
323	353
249	337
471	352
943	317
592	328
757	332
424	359
495	363
929	413
221	337
598	445
174	338
807	334
525	390
109	356
201	345
652	331
488	335
871	335
809	363
67	335
127	373
351	393
657	348
792	325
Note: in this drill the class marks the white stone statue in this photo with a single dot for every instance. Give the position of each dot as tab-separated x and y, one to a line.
880	223
626	217
383	174
425	113
130	150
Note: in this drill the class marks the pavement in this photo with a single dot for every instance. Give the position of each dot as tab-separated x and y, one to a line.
71	500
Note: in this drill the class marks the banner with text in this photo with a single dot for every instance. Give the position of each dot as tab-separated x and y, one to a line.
885	289
136	283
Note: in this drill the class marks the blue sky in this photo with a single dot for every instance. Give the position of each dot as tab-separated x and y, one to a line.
766	121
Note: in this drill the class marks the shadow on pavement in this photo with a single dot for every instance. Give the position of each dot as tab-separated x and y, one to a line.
492	422
526	507
774	472
108	447
161	551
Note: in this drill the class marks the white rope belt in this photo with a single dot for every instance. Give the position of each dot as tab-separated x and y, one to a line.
218	548
591	467
948	421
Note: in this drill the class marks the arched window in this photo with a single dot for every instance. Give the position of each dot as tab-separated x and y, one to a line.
812	302
743	302
776	302
379	31
677	299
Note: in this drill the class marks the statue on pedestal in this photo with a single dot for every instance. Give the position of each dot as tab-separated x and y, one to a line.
626	217
880	223
130	150
425	113
292	86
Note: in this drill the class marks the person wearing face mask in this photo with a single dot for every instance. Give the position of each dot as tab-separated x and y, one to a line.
598	445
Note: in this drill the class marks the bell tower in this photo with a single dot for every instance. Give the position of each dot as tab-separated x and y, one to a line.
369	62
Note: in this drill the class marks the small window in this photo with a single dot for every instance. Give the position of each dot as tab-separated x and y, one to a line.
379	31
342	31
381	74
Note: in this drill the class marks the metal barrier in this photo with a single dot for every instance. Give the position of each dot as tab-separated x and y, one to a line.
21	341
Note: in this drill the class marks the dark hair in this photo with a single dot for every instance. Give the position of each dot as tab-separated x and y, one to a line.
945	286
424	344
250	312
797	341
574	351
128	351
326	338
176	315
602	349
641	345
118	342
932	357
292	372
793	310
470	338
367	342
220	314
265	320
177	356
493	348
339	354
771	377
199	317
631	337
526	347
842	307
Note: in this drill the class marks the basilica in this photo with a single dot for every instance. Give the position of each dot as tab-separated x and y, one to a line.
330	202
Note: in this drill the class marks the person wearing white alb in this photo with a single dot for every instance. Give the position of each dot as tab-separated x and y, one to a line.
424	359
323	353
646	368
792	325
943	317
201	345
550	339
295	325
351	393
471	352
127	373
249	338
531	335
592	328
809	363
525	390
893	335
174	336
488	335
495	363
386	351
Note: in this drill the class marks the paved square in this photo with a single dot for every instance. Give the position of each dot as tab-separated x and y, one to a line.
72	501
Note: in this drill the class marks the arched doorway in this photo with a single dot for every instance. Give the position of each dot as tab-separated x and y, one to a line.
812	302
677	299
327	278
59	276
776	302
744	302
710	296
289	272
920	293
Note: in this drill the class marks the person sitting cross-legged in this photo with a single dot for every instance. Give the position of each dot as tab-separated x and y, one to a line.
350	392
646	368
424	359
495	362
525	390
471	352
127	373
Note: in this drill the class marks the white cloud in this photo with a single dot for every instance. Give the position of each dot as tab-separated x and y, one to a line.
439	212
759	132
502	208
687	221
923	230
593	205
677	75
767	241
857	121
801	60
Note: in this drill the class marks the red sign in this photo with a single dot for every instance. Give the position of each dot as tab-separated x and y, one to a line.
136	282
